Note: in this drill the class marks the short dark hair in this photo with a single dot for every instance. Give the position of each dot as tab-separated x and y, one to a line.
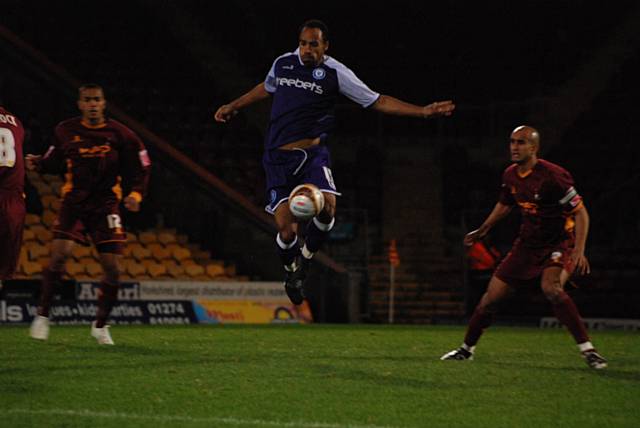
86	86
316	23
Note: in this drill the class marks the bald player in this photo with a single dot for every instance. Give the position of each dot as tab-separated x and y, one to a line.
550	244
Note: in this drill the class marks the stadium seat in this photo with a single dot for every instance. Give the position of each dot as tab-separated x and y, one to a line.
160	253
136	270
94	270
31	268
166	237
28	235
48	200
131	238
43	187
81	251
141	253
32	219
55	205
181	254
194	271
147	237
48	217
157	270
75	269
176	271
36	251
215	270
43	235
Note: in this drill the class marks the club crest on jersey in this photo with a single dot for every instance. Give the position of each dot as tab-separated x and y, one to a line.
318	73
556	256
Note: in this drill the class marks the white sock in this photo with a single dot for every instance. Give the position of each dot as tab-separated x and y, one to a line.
306	253
468	348
586	346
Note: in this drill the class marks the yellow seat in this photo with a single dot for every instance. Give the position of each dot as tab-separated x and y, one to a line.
55	205
32	219
36	251
81	251
147	237
136	270
181	254
131	237
43	235
194	270
176	271
31	268
94	270
167	237
214	270
157	270
160	253
141	253
48	217
28	235
48	200
75	269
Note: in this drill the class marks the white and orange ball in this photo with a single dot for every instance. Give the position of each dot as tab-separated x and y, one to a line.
306	201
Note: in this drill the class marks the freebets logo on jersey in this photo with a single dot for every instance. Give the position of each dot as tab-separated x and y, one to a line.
300	84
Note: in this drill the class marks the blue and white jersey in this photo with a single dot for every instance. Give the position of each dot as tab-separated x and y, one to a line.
304	97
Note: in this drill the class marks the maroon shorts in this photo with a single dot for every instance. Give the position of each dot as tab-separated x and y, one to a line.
523	264
12	212
101	223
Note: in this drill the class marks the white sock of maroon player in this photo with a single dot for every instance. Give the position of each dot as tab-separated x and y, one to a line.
107	298
317	235
288	252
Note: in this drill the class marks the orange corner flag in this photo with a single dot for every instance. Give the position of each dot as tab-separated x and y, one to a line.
394	258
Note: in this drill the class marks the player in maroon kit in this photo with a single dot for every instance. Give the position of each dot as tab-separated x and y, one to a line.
551	242
99	154
12	207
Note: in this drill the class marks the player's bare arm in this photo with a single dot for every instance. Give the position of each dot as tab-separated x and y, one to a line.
390	105
31	161
582	229
227	111
499	212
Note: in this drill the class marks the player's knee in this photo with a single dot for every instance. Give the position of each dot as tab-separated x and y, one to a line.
552	290
287	234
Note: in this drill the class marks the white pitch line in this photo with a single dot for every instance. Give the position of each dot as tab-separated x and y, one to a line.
177	418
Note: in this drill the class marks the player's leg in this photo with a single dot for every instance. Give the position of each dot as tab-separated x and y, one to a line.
12	212
51	277
482	318
108	234
287	238
289	252
320	226
553	279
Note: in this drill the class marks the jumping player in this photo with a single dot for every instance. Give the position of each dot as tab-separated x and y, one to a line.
12	206
551	242
101	156
305	85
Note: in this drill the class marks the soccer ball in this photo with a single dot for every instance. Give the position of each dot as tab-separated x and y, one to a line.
306	201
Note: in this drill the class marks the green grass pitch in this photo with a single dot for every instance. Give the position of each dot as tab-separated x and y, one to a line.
314	376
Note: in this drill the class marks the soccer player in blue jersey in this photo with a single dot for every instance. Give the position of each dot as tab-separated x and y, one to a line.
305	85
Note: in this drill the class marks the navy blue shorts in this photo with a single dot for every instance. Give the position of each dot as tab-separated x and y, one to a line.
285	169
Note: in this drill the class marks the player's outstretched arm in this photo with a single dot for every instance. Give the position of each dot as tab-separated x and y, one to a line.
499	212
227	111
390	105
